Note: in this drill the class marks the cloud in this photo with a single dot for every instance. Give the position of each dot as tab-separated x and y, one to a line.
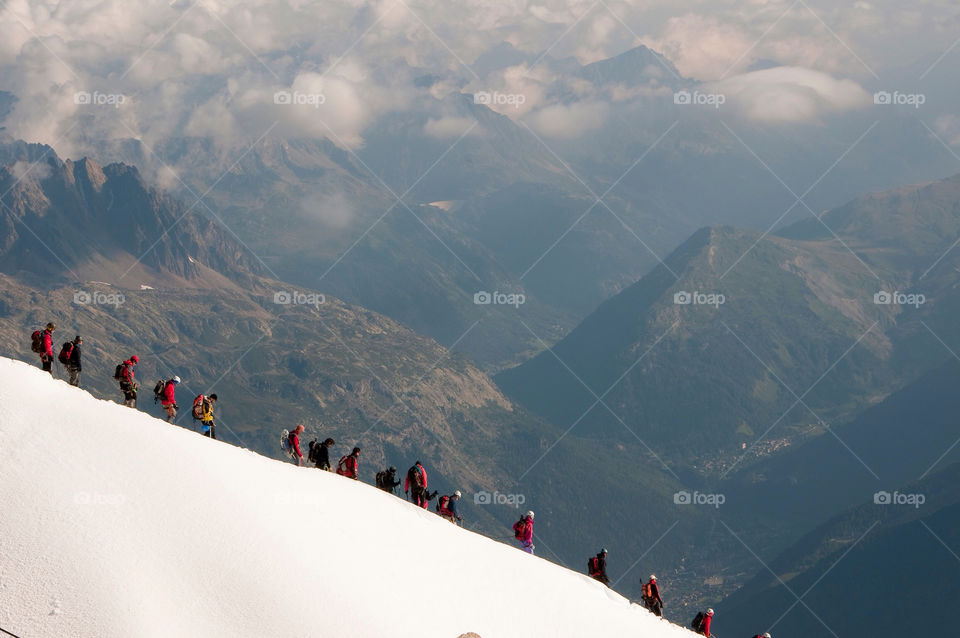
712	45
31	172
567	122
948	128
210	69
790	94
334	210
451	127
701	47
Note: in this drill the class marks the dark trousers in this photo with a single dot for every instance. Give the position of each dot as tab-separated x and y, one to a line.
656	607
47	365
418	496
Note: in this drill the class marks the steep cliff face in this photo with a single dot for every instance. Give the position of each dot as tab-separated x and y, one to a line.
78	220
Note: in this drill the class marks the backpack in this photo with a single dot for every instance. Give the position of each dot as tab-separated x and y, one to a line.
443	504
342	465
415	476
197	411
314	450
519	528
592	566
118	372
65	351
382	480
646	590
158	390
285	442
37	341
697	623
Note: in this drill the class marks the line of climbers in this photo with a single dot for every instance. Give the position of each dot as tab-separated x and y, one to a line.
414	487
69	356
164	392
650	594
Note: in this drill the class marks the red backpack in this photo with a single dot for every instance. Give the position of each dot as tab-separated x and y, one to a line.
443	505
198	407
65	351
37	344
519	528
593	566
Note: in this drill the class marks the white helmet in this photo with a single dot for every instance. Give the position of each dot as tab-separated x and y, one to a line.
766	635
709	612
529	514
457	494
653	577
176	379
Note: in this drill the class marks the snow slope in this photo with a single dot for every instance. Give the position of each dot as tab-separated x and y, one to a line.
115	524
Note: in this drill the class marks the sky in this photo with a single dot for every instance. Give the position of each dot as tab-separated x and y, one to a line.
152	70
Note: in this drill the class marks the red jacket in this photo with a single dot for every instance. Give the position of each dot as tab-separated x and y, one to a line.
423	479
349	465
47	344
294	439
706	625
655	591
127	373
169	397
527	531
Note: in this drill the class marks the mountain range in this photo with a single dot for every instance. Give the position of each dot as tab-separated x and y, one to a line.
651	396
278	354
566	221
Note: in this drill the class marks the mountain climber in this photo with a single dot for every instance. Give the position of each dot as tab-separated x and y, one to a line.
126	375
523	532
207	426
293	441
447	507
701	623
416	485
46	348
349	466
320	453
168	398
387	479
70	355
765	635
651	596
597	567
